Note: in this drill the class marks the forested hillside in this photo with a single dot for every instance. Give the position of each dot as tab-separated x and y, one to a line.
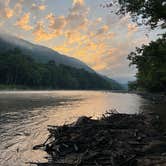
39	53
19	69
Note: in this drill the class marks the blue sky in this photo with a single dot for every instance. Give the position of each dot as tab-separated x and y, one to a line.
77	28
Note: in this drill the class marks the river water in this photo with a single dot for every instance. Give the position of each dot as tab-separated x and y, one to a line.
25	115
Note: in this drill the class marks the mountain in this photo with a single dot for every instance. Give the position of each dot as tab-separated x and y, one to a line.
39	53
25	64
114	84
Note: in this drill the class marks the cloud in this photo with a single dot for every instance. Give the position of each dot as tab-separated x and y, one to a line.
98	20
8	12
103	29
76	38
95	54
75	2
23	22
29	4
57	23
4	3
18	8
65	49
40	34
78	15
5	10
75	20
38	7
42	7
132	28
52	30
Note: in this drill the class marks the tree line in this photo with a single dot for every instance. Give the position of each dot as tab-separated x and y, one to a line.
22	70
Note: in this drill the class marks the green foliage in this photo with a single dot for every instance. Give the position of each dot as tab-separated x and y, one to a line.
150	61
21	70
151	12
132	86
115	85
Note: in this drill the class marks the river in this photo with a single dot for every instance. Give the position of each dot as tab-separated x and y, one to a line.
25	115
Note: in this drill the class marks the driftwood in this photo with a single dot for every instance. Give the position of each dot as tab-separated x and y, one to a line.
114	140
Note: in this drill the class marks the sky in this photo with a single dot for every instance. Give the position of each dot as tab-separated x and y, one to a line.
78	28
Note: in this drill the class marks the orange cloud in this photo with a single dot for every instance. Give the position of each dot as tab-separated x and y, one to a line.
76	37
23	22
41	35
103	29
132	28
100	66
96	54
5	10
65	49
57	23
78	16
78	2
42	7
36	7
8	12
70	25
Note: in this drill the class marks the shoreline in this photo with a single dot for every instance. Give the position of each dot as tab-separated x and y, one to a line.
115	139
26	88
154	97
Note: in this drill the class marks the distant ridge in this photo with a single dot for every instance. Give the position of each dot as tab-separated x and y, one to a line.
43	55
39	53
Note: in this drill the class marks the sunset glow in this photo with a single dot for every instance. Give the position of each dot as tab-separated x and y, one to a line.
78	28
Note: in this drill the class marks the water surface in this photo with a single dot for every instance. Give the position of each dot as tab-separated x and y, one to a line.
25	115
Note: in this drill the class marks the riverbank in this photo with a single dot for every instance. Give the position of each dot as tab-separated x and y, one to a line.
27	88
157	98
114	140
154	97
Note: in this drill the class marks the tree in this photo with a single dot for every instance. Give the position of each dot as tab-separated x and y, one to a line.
132	85
147	12
150	61
150	11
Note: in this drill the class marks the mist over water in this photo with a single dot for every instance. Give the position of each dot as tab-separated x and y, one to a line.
25	115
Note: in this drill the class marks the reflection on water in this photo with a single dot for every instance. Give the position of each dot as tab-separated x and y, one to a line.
24	117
